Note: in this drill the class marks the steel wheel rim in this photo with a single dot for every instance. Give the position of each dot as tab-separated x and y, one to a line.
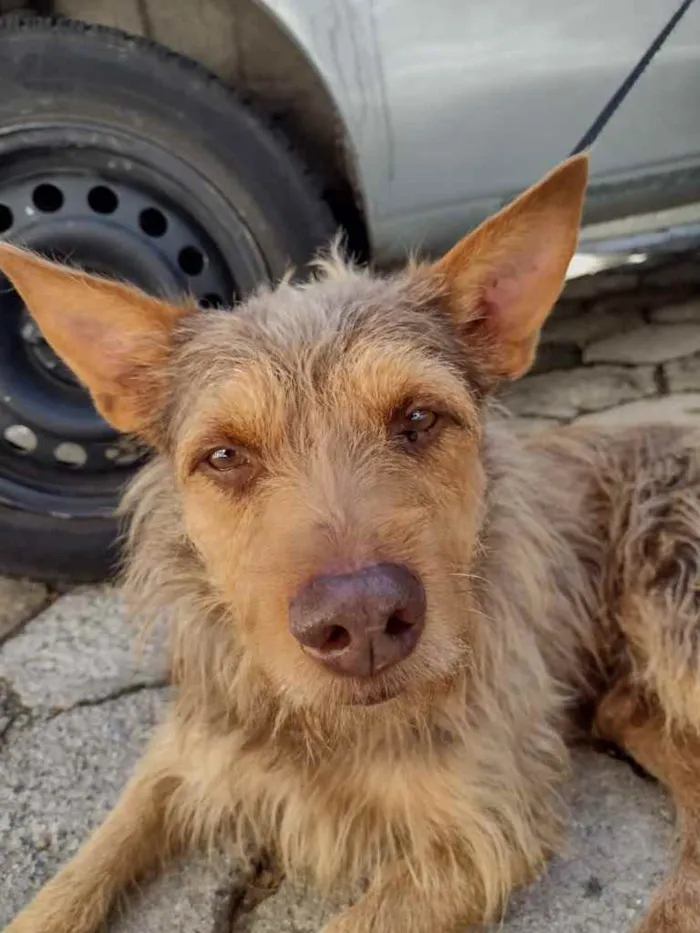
121	215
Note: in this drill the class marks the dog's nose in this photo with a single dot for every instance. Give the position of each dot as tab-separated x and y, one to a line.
360	623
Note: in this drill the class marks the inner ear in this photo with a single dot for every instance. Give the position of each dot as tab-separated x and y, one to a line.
115	338
503	279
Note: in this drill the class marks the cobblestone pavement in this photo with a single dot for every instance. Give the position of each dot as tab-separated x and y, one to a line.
620	347
76	706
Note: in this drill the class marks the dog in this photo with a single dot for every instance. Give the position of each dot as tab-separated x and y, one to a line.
388	613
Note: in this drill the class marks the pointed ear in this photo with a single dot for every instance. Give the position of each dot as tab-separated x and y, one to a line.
114	338
503	279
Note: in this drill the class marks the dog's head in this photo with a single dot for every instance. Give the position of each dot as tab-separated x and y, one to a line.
325	439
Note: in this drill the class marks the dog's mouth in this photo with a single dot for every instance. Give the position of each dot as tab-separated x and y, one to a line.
370	692
375	697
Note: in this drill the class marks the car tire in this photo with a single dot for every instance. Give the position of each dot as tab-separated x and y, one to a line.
88	109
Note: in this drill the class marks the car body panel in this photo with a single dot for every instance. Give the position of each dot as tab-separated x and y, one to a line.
451	107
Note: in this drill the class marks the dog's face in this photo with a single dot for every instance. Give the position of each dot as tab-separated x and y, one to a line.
327	456
325	440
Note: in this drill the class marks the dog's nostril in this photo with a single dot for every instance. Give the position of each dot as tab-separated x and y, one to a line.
396	626
336	639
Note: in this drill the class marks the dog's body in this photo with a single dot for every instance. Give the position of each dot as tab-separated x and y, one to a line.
589	555
326	430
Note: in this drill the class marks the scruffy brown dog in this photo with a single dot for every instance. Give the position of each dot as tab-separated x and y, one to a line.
385	608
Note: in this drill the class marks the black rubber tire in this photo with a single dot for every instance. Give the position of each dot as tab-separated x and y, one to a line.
91	75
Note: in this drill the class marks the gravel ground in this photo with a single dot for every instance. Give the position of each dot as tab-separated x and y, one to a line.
76	706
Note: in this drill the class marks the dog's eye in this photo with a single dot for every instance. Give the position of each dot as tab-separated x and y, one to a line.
414	426
224	459
420	419
233	466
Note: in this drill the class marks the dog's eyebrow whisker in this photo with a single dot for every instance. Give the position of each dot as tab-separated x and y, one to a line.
468	576
481	615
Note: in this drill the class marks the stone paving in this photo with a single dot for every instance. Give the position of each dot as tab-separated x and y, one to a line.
77	705
621	347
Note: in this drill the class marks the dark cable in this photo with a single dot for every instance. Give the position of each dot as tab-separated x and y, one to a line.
612	105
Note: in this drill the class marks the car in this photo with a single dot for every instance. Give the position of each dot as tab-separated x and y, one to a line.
206	148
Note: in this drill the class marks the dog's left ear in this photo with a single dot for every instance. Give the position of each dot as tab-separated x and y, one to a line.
115	338
503	279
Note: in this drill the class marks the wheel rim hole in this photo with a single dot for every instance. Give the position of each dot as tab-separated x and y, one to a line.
69	454
123	456
211	301
22	438
102	200
153	222
191	260
47	198
6	218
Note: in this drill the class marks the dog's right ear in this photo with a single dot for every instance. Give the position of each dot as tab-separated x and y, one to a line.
114	337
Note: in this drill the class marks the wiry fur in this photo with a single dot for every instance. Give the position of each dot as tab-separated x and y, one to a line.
292	774
558	571
544	608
